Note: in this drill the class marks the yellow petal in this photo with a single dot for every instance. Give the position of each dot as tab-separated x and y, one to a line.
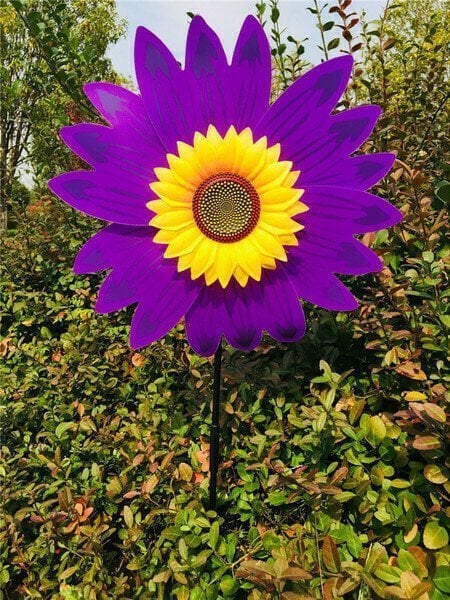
254	159
184	262
211	275
164	236
213	153
184	242
206	156
288	239
173	194
272	176
203	257
291	178
267	243
159	207
246	137
173	219
273	154
268	262
280	198
229	149
185	172
165	175
243	142
188	154
225	263
278	223
213	135
297	208
241	276
249	259
185	151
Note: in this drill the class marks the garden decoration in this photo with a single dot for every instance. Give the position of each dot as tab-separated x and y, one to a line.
223	209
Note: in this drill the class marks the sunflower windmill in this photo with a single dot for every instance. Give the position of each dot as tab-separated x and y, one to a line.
222	208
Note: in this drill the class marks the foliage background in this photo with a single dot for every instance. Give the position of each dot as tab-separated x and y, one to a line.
334	482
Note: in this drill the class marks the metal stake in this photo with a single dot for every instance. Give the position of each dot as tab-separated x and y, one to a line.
215	433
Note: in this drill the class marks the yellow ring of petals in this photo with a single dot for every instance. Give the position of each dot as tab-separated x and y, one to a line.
209	156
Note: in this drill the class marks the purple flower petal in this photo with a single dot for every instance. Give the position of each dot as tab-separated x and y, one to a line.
119	106
203	321
283	314
208	74
336	255
251	74
361	172
164	88
319	286
105	196
128	281
338	137
302	108
242	321
208	91
113	245
242	313
226	311
167	296
346	211
120	149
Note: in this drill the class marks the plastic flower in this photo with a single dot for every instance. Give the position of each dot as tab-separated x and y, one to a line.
223	209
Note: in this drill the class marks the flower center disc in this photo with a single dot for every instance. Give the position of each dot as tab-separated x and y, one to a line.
226	207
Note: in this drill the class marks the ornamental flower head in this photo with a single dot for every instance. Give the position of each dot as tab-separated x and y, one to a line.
223	209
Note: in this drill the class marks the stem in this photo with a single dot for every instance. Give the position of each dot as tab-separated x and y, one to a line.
215	433
318	553
322	35
431	123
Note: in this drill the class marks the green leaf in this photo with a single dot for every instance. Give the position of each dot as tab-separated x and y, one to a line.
4	576
441	579
344	496
229	586
354	545
277	498
214	534
376	555
18	4
128	516
270	541
376	431
333	44
408	562
436	474
62	428
434	536
183	549
46	333
388	573
69	572
185	471
442	191
426	443
330	555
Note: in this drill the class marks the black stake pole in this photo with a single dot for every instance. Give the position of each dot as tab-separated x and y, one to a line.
215	433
